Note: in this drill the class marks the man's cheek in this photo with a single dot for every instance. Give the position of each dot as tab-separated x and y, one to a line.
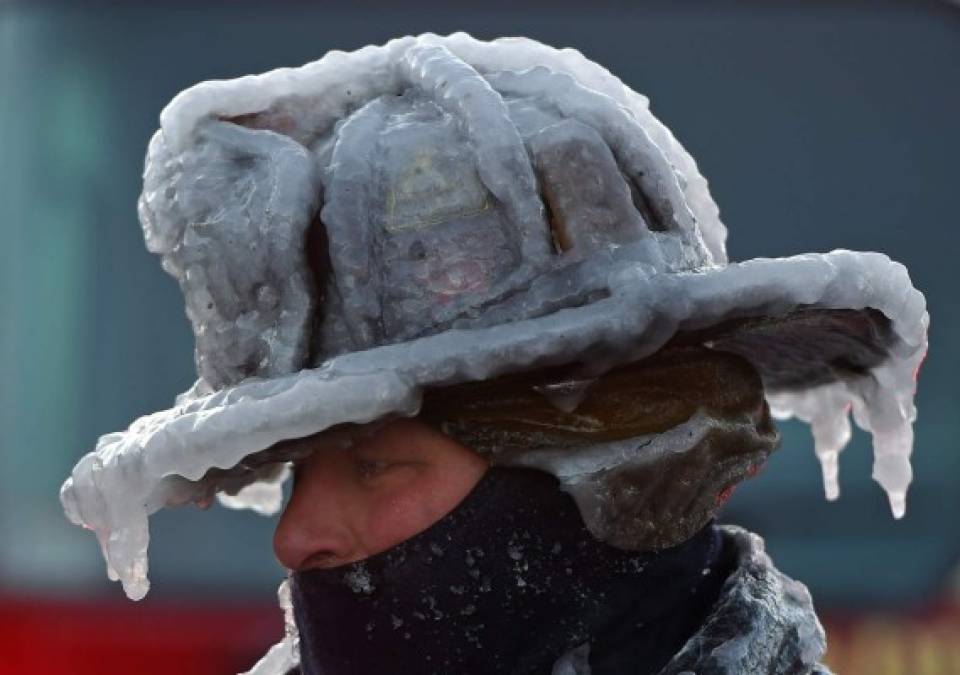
403	506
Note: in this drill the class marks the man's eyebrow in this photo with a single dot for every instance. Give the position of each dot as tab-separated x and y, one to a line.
379	449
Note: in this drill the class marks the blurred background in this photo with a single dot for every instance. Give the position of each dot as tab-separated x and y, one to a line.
819	125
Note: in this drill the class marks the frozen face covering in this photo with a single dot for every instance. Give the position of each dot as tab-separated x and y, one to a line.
508	582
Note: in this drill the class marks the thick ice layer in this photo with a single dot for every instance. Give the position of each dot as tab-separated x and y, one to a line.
374	149
278	660
156	462
763	621
229	217
307	101
165	455
427	176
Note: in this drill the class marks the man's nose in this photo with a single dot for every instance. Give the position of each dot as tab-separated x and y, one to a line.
313	533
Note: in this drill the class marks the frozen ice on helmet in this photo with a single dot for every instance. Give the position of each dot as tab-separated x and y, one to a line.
238	255
228	217
367	385
107	490
882	403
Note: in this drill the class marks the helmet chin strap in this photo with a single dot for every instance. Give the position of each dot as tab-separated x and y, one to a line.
508	582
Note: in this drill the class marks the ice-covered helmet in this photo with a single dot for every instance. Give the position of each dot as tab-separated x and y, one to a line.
446	198
441	210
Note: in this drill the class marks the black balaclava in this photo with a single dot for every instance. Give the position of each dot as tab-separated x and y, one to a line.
508	582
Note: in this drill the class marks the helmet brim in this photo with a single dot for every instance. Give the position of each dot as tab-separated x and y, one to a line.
842	328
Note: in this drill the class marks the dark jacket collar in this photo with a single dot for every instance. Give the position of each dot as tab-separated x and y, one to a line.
763	622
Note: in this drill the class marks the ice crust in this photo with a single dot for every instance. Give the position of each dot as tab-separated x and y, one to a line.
246	284
324	91
763	621
166	454
251	307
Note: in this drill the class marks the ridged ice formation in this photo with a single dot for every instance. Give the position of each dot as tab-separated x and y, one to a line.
242	171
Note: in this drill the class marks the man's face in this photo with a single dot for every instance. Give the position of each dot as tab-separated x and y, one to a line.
352	500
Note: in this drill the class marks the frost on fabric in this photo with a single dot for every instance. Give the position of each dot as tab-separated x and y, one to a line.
243	171
574	662
763	621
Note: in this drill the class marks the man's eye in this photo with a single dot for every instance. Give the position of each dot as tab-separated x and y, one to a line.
369	468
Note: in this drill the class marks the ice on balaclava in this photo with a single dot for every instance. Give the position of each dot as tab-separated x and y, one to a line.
245	290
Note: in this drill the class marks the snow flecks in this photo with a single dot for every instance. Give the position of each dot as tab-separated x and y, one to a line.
359	580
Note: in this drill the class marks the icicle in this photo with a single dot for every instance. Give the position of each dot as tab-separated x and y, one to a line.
882	404
831	433
886	409
827	411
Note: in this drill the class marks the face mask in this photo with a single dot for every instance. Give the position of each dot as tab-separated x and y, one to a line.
508	582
